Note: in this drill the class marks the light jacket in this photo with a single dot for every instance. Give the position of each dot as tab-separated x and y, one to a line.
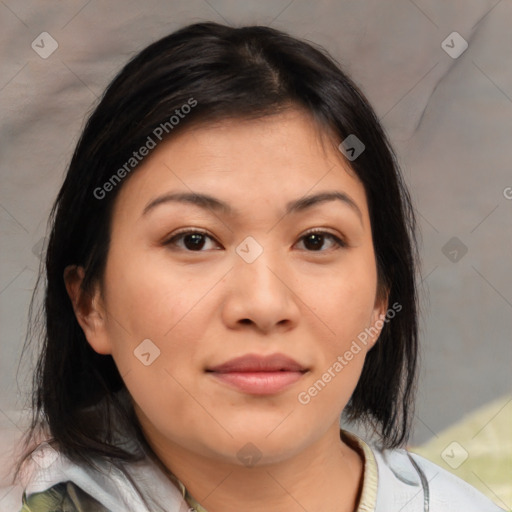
404	482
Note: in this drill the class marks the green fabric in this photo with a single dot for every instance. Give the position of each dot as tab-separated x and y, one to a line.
63	497
67	497
478	449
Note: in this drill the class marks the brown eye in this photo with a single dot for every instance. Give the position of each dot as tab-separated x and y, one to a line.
194	241
315	241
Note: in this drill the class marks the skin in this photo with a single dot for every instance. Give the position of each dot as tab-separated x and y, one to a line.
204	307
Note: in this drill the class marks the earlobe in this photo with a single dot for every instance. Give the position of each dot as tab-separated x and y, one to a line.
88	309
378	318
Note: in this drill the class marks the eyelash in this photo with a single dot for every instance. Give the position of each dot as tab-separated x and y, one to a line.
340	243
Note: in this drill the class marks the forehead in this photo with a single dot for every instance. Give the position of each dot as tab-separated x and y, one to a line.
250	164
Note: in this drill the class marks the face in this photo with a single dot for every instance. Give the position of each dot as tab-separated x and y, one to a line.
255	270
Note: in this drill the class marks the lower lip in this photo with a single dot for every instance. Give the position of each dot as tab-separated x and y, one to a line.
259	383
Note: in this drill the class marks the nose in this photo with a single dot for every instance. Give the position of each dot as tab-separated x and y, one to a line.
260	295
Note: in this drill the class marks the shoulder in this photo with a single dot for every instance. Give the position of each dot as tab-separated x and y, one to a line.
56	483
415	483
62	497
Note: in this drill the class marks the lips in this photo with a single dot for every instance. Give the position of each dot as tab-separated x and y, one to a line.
252	363
258	375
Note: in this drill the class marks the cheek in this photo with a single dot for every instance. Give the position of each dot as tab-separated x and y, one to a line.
157	322
343	299
345	307
153	296
343	304
146	301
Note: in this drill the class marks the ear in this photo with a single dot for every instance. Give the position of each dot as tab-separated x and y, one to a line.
378	317
89	310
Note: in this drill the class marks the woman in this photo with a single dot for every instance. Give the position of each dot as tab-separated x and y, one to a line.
230	268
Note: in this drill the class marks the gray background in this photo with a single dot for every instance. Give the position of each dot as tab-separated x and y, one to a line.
450	120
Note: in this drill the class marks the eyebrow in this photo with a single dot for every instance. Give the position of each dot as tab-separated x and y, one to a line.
212	203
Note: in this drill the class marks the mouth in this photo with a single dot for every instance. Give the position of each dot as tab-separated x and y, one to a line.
259	375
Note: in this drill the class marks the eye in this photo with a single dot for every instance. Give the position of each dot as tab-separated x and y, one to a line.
315	240
193	240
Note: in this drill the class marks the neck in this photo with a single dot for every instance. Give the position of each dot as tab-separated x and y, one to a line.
326	476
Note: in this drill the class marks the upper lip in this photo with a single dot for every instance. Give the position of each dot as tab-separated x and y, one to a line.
258	363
